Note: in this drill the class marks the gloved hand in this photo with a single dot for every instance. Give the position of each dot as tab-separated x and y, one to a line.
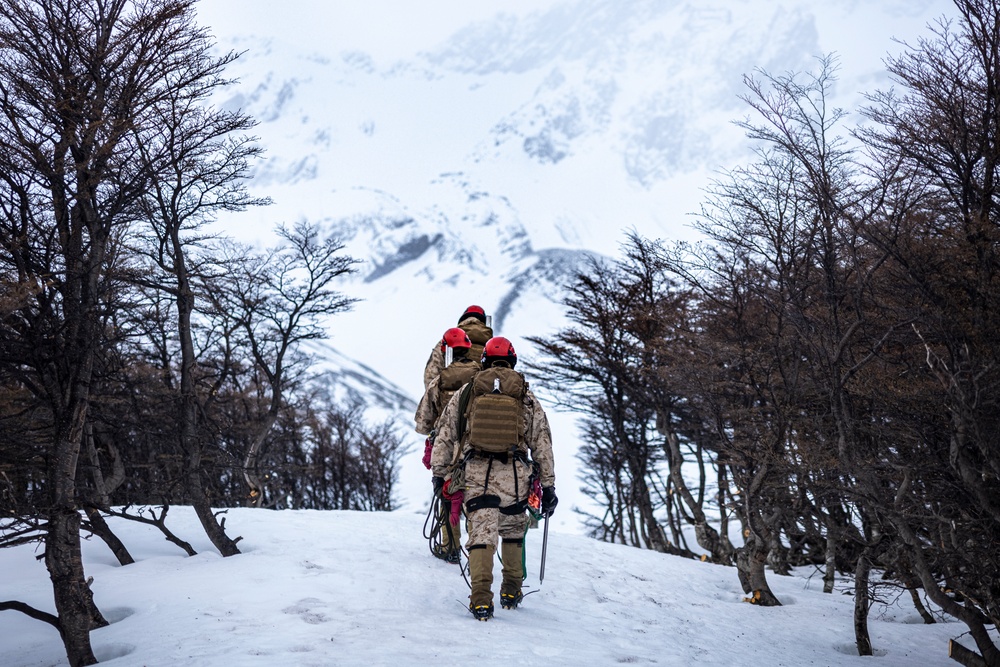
549	501
428	449
457	499
438	483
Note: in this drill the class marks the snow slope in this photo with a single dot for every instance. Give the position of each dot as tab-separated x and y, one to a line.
345	588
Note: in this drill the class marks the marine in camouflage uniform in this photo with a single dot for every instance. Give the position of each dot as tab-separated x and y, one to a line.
496	485
432	404
473	323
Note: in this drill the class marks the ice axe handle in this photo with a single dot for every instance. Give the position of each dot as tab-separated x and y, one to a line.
545	543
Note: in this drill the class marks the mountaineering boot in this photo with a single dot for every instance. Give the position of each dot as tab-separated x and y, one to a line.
482	612
481	579
512	555
510	600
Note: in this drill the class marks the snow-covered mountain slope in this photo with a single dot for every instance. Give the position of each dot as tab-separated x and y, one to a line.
347	588
478	152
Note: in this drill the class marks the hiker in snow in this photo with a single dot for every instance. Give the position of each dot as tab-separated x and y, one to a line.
473	322
492	437
458	371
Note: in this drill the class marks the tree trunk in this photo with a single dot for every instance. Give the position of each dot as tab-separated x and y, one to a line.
861	604
964	656
777	555
250	474
706	535
750	561
971	617
918	603
215	530
188	427
655	538
830	575
101	528
74	601
73	598
727	545
98	525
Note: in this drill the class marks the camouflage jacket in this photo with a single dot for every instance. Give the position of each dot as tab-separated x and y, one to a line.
430	407
537	439
478	332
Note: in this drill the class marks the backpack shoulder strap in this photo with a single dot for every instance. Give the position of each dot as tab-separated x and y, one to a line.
463	408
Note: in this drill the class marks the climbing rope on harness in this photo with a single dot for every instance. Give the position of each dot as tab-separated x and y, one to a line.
440	533
435	525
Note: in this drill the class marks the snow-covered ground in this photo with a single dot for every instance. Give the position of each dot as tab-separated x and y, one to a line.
348	588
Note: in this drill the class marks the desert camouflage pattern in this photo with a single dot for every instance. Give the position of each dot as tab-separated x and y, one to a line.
478	333
427	413
453	378
435	363
537	439
495	414
434	399
507	480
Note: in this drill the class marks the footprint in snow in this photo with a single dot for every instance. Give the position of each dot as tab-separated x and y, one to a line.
306	609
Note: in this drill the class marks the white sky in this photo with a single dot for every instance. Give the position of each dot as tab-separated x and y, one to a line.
387	29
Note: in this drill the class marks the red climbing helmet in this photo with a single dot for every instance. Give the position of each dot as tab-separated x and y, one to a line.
473	311
498	348
455	337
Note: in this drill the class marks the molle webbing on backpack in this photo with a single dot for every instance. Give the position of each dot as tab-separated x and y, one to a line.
478	333
452	378
495	417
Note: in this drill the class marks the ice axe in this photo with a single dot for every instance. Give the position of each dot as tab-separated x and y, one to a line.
545	542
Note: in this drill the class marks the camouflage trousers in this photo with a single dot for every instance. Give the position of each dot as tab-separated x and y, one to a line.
496	494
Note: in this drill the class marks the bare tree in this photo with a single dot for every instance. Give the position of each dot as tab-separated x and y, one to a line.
281	300
323	454
942	131
197	159
618	366
78	79
596	365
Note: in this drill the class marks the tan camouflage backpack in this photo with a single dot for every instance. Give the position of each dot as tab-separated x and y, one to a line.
493	412
478	334
452	378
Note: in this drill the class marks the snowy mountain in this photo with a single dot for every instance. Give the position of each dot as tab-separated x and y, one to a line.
477	153
347	588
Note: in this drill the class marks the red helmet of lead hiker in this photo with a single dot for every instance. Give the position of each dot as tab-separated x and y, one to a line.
473	311
498	349
455	337
475	323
